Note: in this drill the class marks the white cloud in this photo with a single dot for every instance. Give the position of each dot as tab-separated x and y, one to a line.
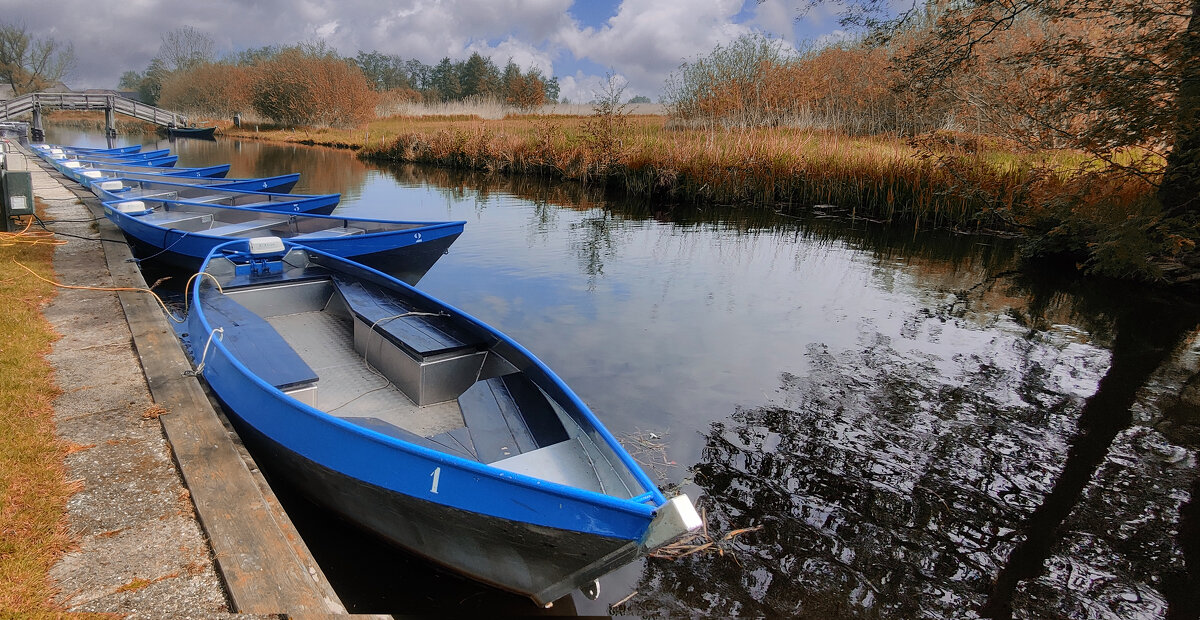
643	41
326	30
583	88
648	39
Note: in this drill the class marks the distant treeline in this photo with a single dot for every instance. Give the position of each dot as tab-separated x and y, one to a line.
454	80
311	84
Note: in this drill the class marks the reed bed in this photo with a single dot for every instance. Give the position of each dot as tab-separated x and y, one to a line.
942	179
877	177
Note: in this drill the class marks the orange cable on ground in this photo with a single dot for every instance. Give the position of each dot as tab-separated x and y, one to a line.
37	237
103	288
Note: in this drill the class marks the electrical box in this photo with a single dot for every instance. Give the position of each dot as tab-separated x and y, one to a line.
16	192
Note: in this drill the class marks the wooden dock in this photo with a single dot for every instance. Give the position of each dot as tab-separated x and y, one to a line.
263	562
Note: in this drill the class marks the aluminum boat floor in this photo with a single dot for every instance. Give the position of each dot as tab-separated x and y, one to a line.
348	386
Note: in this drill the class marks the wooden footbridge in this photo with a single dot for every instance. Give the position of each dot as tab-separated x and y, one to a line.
111	104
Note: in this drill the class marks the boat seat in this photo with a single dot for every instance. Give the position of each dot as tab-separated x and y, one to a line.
422	336
256	344
245	228
205	198
428	357
509	415
181	220
339	231
152	193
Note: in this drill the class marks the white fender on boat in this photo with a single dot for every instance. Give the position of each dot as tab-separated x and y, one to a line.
133	206
266	245
676	517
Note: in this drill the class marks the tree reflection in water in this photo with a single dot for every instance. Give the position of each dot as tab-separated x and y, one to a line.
892	488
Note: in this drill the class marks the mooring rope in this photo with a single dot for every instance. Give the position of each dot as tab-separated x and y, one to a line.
204	355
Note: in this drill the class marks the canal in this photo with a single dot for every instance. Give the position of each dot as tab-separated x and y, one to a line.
917	429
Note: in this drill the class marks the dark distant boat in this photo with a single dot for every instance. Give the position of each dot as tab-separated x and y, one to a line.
182	233
419	422
203	133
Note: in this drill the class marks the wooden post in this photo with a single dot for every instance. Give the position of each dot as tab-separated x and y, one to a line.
110	119
37	134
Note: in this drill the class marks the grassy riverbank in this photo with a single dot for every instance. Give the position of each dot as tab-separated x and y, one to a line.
942	180
94	121
33	492
1099	218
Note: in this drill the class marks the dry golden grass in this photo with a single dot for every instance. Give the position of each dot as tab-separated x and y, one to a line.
941	179
33	491
94	120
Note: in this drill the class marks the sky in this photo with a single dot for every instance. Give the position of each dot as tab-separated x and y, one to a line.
579	42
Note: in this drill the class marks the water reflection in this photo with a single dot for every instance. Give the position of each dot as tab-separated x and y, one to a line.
921	431
887	494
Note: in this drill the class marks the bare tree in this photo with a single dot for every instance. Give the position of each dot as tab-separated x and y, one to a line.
31	64
184	48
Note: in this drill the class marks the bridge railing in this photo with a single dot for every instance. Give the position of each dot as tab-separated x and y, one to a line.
79	101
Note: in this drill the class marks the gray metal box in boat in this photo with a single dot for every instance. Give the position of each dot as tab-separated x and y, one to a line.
431	379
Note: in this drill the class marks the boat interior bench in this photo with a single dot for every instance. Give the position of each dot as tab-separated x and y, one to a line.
153	193
248	227
263	350
337	231
204	198
180	220
425	355
507	416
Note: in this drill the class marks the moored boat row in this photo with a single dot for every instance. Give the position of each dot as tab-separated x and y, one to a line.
391	408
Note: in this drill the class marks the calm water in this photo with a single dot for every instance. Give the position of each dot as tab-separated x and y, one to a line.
919	431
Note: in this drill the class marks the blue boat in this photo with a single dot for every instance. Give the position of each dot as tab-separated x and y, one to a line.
182	233
76	172
133	148
63	165
281	184
419	422
118	157
120	189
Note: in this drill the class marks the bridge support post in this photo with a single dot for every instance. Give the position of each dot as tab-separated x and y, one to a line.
110	122
36	132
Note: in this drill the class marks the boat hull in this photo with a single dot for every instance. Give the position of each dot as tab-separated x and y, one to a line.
538	523
202	133
525	559
409	262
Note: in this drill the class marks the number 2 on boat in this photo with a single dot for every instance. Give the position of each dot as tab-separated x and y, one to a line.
437	473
